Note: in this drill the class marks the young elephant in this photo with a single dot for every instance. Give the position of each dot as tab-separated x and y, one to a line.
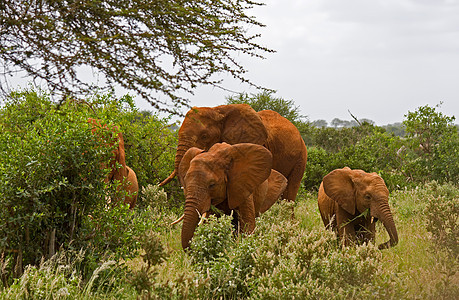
230	177
344	196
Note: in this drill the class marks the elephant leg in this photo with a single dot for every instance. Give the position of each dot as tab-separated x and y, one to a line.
247	216
294	182
368	232
224	208
346	230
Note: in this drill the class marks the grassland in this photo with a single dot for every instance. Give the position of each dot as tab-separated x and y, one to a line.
290	256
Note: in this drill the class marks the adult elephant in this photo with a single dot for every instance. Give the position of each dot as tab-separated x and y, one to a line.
239	123
344	197
229	177
118	169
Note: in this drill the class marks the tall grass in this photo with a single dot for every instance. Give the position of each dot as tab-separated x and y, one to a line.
289	256
60	278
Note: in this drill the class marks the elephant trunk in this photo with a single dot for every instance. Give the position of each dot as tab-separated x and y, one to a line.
386	218
182	148
197	202
190	221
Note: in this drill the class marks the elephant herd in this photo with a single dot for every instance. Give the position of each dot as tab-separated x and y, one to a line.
236	159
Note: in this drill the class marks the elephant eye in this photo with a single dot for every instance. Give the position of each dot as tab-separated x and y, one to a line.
204	136
367	197
212	185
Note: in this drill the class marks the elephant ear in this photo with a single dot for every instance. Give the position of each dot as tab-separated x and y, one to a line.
242	125
185	163
276	186
339	186
251	165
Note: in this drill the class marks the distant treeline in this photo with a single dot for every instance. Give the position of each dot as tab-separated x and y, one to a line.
397	128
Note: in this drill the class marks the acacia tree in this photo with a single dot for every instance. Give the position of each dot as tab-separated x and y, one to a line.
151	47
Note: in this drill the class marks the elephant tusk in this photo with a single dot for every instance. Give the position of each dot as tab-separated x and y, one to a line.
372	219
204	216
178	220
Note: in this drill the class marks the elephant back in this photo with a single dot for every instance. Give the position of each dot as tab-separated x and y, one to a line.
284	141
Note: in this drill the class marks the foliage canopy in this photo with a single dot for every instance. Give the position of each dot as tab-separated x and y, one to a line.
145	46
266	100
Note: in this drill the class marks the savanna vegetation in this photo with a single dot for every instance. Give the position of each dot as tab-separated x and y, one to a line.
158	49
51	185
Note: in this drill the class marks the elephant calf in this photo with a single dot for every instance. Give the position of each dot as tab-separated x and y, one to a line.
230	177
344	197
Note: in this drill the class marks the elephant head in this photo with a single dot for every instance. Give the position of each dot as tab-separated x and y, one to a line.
356	191
225	176
205	126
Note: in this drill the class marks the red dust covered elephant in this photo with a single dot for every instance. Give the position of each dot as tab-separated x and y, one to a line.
118	169
230	177
351	201
239	123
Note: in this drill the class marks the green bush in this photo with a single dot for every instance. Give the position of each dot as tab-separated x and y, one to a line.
219	260
320	163
291	262
280	260
52	192
155	197
433	145
211	240
442	212
51	175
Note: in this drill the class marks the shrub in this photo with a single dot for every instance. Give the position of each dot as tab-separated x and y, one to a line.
266	100
51	175
211	240
154	253
434	144
155	197
116	231
320	163
442	212
293	263
280	260
51	182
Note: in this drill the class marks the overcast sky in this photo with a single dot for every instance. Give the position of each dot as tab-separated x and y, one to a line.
379	59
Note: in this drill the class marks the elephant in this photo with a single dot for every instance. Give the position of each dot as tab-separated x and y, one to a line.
230	177
131	187
118	169
344	197
239	123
